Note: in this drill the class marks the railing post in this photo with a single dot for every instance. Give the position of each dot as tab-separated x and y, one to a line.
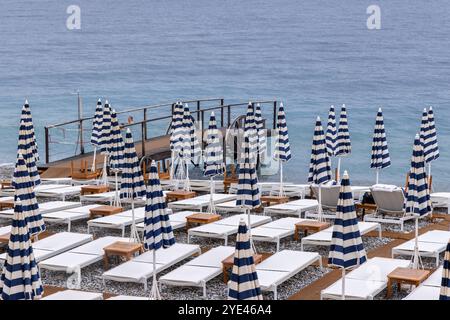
142	138
229	115
275	114
221	116
202	122
198	110
47	154
145	124
81	137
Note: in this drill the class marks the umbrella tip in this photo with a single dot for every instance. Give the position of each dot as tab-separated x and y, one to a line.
379	109
431	108
99	100
281	104
343	106
425	109
345	175
128	130
106	102
26	101
318	118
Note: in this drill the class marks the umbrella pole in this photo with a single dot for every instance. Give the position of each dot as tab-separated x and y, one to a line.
281	179
339	169
187	184
416	258
211	191
378	175
116	196
134	237
252	244
154	294
343	283
93	160
105	172
319	215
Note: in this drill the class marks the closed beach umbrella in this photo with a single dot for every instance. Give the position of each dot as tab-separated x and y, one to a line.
117	148
319	166
261	132
248	195
214	157
445	282
282	146
250	128
343	143
244	284
429	138
347	249
25	148
96	130
157	228
105	139
191	150
20	279
132	182
28	120
380	153
418	195
176	136
23	189
331	134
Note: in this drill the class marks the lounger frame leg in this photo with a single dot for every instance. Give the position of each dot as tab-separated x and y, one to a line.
69	225
204	289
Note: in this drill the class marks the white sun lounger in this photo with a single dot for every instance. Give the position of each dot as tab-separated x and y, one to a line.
323	238
139	269
296	207
366	281
45	207
229	206
5	230
74	295
56	244
47	181
74	260
200	202
118	221
177	220
9	198
70	215
62	192
198	271
123	297
431	244
430	289
440	199
99	197
282	266
276	230
266	188
41	187
223	228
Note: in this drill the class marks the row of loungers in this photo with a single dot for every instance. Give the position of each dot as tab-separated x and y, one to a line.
430	289
45	207
84	295
200	202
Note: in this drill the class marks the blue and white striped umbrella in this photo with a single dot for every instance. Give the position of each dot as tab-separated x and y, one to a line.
424	135
434	148
28	120
116	152
25	148
347	249
282	146
157	228
20	279
105	132
319	166
96	130
418	195
190	141
445	282
380	158
244	284
214	151
23	189
176	137
250	128
331	134
261	132
132	181
343	143
248	195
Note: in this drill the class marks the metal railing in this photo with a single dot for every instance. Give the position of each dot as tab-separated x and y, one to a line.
199	110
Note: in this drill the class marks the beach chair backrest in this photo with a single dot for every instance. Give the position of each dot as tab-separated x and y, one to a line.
329	195
389	201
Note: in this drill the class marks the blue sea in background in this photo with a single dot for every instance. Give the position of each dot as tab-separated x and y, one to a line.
309	54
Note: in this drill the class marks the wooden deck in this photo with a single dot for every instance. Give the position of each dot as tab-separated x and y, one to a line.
156	148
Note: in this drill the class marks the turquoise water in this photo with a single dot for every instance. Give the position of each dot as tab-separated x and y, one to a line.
309	54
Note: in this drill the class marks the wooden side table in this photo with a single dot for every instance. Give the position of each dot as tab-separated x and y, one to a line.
268	200
104	211
405	276
94	189
179	195
8	204
228	264
227	182
4	238
201	218
5	184
121	249
363	207
309	226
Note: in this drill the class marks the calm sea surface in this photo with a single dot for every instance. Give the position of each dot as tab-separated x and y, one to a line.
309	54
